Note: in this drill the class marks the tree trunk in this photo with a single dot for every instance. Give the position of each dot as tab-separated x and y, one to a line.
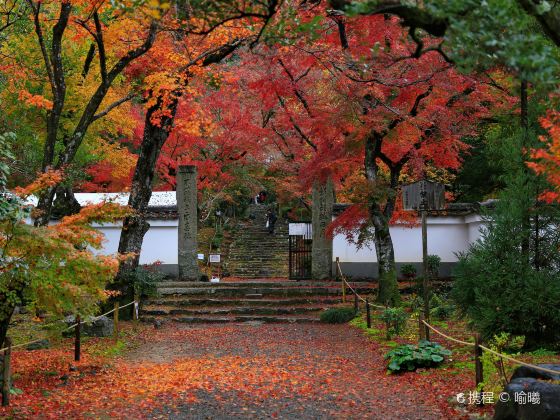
44	206
526	217
5	317
65	203
388	293
136	226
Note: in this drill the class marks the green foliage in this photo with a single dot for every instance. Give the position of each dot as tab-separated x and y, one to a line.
483	34
441	308
544	353
496	372
361	323
409	357
11	207
415	302
338	315
145	280
395	321
389	289
509	281
408	271
433	262
218	238
478	179
5	156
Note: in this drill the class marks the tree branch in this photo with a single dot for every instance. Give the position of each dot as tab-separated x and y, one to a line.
113	106
299	95
100	47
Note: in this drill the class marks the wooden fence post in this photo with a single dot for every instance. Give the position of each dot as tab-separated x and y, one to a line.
136	308
356	307
339	276
368	314
6	373
479	374
421	327
337	273
116	321
77	342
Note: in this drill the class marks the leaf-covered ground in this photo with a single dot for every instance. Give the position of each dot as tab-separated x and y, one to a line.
222	371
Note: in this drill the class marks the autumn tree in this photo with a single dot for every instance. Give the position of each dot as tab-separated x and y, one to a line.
52	267
327	105
115	35
207	38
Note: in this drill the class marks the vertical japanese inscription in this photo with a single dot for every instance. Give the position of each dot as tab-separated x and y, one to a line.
188	219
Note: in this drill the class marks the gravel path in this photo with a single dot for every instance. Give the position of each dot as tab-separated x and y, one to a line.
280	371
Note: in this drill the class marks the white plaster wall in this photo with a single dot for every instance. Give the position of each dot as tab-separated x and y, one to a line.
475	227
160	242
446	237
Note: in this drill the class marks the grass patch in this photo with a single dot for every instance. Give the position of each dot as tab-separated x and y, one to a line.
108	348
361	323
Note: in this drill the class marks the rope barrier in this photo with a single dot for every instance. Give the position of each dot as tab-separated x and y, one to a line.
354	291
70	327
464	343
511	359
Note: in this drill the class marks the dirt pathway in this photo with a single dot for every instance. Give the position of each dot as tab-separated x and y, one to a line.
277	371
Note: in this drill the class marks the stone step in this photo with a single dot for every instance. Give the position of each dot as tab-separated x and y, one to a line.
262	283
178	301
160	310
296	319
265	291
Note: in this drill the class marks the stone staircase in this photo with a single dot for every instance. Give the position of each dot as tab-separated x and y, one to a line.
255	253
271	301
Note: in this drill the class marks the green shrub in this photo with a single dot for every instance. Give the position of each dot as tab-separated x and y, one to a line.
338	315
410	357
408	271
496	371
509	280
416	302
440	307
145	280
434	262
543	353
395	321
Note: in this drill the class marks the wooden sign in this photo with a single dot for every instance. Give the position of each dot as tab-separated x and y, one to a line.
433	194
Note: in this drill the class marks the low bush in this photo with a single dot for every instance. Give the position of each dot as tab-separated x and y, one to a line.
145	280
441	308
408	271
395	321
409	357
338	315
434	262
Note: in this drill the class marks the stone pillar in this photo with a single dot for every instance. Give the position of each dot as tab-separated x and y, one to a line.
188	219
322	211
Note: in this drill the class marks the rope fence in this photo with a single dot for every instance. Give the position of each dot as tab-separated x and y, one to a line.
7	351
476	344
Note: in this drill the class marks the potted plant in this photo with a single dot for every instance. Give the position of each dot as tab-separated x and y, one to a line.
408	271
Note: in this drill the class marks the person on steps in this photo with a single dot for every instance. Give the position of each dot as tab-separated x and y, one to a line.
270	221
